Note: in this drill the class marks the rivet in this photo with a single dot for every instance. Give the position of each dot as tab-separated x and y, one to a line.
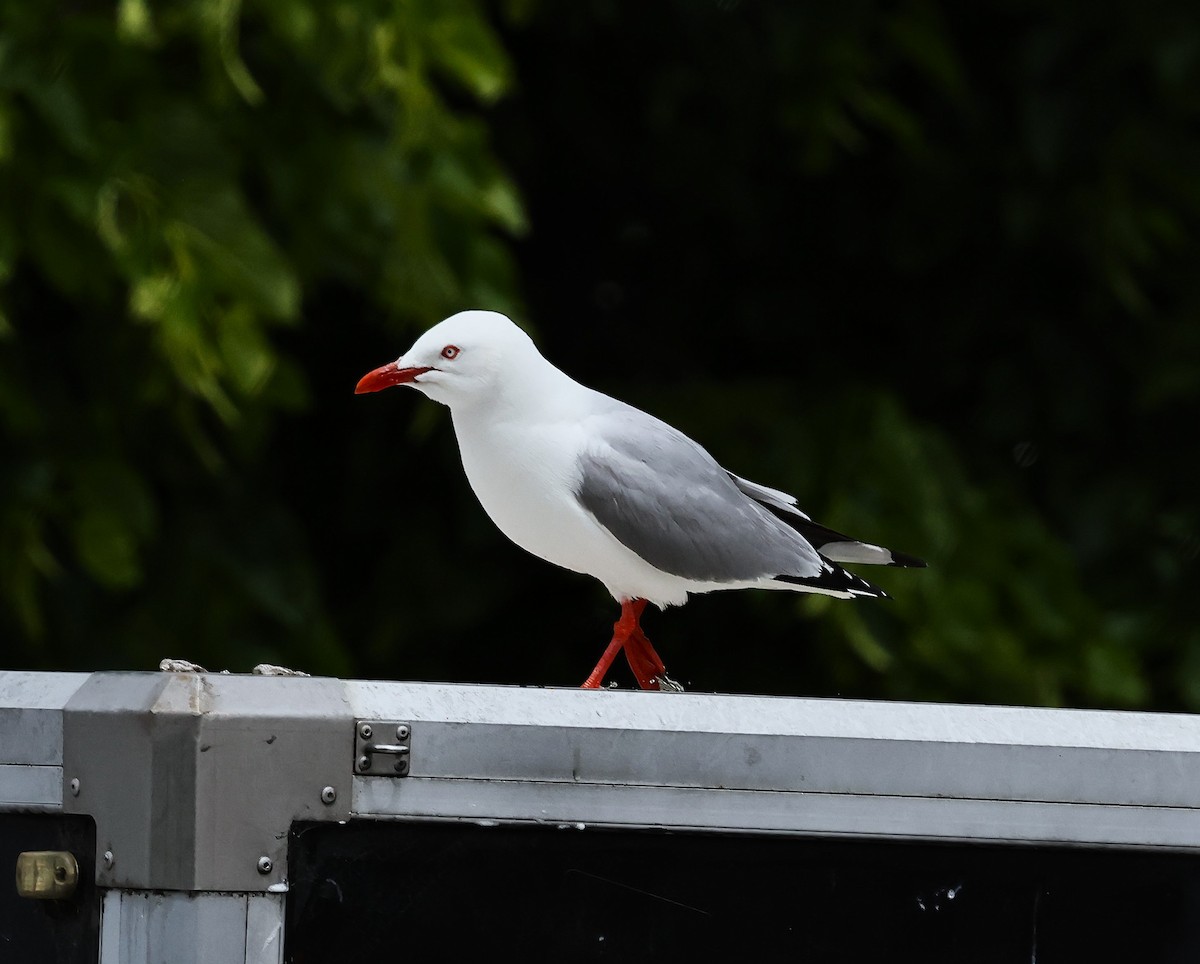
109	860
365	731
364	762
75	787
402	731
328	795
264	864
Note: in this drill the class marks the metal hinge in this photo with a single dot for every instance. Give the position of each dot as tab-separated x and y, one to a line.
381	747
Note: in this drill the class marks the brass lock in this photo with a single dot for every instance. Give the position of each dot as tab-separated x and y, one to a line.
47	874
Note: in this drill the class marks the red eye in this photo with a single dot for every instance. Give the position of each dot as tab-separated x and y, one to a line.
451	351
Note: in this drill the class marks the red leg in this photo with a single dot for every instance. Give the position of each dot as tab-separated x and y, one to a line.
646	664
623	629
597	675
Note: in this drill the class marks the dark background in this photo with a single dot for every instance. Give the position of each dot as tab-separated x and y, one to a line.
933	268
455	890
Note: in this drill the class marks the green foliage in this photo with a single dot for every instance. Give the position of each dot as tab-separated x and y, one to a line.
174	183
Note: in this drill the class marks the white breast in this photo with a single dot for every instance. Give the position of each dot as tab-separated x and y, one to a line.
525	476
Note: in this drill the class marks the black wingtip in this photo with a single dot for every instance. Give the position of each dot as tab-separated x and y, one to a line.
904	561
819	536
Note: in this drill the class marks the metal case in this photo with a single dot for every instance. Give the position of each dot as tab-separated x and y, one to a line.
204	791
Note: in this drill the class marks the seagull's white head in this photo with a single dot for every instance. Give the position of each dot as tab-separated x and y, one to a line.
458	361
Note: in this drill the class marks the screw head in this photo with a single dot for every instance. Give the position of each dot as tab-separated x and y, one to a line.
75	787
402	765
328	795
364	762
365	731
264	864
109	860
402	731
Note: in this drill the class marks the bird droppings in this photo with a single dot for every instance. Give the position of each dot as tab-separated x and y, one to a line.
935	901
279	888
270	941
169	665
487	823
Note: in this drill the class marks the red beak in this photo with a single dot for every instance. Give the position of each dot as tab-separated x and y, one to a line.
386	376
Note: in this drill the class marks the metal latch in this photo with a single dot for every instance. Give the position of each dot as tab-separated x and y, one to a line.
47	874
381	747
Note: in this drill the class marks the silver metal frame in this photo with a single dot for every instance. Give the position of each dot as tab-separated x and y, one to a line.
195	780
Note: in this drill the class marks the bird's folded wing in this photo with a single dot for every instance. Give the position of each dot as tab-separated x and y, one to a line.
664	497
772	498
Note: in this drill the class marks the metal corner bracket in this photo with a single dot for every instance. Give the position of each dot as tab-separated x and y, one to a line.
194	780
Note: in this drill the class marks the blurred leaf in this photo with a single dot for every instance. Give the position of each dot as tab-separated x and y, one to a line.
227	248
134	23
107	549
467	49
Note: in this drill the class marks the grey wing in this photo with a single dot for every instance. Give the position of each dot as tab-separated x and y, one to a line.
663	496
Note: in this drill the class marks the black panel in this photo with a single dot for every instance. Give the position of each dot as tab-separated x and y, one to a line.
49	931
380	891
